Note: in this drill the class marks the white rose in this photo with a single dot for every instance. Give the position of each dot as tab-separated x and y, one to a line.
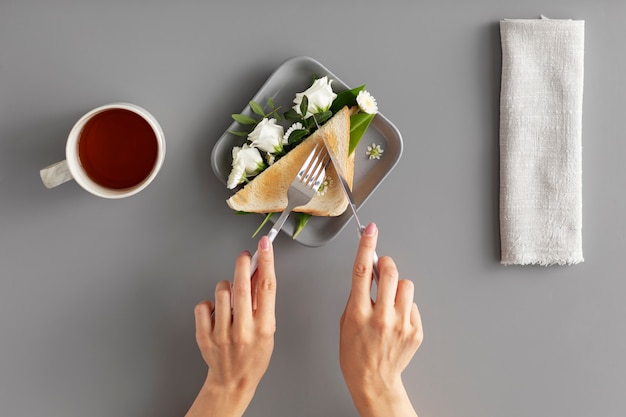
320	96
236	177
267	136
247	162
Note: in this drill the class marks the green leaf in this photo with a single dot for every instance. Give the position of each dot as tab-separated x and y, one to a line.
297	135
304	105
322	117
256	107
273	109
276	115
267	218
243	119
238	133
346	98
292	115
301	221
358	125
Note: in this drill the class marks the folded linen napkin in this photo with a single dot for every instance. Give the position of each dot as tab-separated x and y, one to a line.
540	141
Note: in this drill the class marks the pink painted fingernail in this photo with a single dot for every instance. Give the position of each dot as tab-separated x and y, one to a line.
265	243
370	229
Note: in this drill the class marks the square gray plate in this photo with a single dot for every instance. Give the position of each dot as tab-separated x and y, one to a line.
294	76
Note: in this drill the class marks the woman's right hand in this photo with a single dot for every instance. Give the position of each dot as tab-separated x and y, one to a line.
378	337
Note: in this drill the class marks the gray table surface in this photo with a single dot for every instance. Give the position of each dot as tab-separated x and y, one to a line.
97	296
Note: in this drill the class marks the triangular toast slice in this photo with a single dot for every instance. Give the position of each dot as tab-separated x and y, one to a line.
267	192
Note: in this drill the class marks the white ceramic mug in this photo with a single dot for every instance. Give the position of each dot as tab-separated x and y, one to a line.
72	167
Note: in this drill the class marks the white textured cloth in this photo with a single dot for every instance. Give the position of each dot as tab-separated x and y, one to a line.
541	141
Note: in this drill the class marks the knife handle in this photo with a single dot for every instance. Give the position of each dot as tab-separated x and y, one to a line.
375	268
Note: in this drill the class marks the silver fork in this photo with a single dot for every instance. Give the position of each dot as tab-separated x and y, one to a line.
301	190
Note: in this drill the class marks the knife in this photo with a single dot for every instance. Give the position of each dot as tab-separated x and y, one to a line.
348	194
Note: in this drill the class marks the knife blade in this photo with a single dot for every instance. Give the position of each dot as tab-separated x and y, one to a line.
348	193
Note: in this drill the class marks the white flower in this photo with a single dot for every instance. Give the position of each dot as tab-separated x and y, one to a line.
249	157
320	96
325	185
267	136
270	158
236	177
295	126
374	151
247	162
367	103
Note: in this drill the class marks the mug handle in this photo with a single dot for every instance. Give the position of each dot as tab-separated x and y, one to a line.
55	174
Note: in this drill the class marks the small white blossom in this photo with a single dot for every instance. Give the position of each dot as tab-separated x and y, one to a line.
320	96
270	158
325	185
367	103
374	151
295	126
247	162
267	136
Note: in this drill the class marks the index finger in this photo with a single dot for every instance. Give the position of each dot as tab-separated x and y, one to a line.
266	282
242	294
362	269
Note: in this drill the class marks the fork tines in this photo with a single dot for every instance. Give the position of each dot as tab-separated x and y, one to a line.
314	168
